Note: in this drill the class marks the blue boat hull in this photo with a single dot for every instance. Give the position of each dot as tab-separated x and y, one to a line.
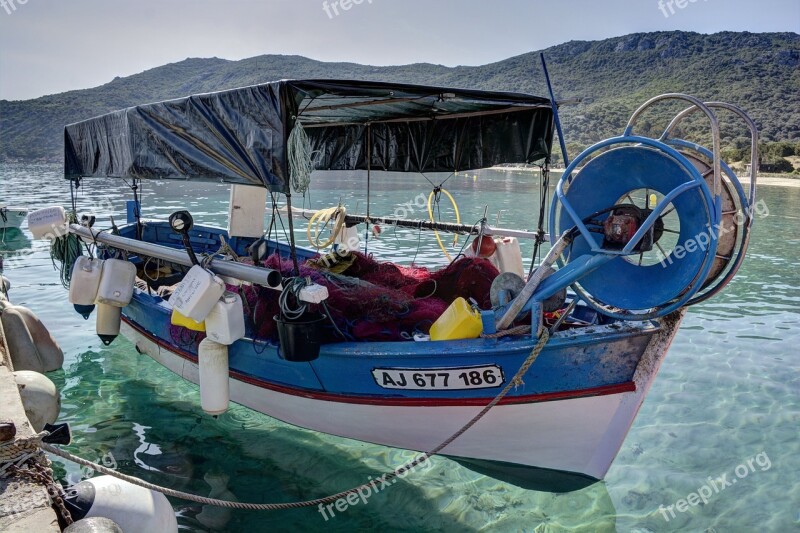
561	428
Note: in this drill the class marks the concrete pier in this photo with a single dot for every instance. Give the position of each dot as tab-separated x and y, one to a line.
24	504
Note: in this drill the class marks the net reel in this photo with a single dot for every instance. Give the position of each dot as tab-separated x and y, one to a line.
653	208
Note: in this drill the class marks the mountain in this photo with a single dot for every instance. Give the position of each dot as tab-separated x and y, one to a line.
759	72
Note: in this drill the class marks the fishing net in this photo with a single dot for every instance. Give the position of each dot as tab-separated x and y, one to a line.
374	301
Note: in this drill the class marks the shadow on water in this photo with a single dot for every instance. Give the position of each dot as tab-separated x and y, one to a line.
13	240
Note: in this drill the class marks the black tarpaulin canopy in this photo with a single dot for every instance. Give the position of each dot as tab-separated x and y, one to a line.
240	136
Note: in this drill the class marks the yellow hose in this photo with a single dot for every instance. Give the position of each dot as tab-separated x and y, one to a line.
321	218
430	214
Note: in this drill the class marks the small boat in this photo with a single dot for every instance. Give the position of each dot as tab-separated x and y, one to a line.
639	229
11	217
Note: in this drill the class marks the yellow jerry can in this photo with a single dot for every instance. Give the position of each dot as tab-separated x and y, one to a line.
178	319
459	321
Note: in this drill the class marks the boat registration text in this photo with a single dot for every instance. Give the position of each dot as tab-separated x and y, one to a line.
460	378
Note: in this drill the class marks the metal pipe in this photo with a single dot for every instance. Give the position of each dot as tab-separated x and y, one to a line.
751	125
257	275
463	229
715	137
748	212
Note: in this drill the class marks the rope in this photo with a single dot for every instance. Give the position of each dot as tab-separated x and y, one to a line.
18	450
23	457
544	194
519	330
64	251
300	153
514	382
225	249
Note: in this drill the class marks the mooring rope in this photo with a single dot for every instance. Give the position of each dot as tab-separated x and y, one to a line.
519	330
23	457
514	382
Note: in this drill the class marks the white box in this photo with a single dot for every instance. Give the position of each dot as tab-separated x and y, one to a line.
225	322
508	256
48	223
197	293
116	283
85	281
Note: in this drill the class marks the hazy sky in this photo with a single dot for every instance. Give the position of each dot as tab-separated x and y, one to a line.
50	46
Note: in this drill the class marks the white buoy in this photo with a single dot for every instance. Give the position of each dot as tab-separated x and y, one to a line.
135	509
225	322
197	293
95	524
109	318
116	283
50	353
23	351
84	284
214	387
48	223
40	398
85	281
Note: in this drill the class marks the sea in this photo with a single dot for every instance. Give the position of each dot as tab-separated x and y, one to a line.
715	446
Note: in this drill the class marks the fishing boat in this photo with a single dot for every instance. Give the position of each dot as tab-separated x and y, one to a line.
332	339
11	217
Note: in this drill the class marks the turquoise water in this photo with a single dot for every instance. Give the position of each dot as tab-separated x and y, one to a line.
728	392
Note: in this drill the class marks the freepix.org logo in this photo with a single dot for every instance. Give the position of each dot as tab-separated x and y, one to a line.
668	7
332	9
11	5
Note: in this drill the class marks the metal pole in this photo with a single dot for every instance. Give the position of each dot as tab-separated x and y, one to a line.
369	176
448	227
554	105
259	276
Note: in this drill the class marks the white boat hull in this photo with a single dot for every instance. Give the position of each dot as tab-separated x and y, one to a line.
12	217
577	435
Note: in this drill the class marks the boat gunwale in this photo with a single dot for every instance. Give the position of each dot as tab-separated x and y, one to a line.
390	399
453	348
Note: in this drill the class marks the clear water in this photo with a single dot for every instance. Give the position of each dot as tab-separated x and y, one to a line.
728	391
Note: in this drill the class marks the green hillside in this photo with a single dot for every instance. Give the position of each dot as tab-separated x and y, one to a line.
760	72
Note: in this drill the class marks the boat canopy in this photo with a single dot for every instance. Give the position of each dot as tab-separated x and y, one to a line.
242	135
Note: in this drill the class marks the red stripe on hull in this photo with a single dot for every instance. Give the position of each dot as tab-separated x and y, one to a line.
628	386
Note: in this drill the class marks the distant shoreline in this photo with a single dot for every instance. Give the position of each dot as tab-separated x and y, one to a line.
768	180
773	181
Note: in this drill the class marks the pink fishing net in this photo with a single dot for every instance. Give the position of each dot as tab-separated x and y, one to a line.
374	301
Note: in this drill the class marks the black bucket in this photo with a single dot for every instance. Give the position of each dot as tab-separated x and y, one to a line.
300	339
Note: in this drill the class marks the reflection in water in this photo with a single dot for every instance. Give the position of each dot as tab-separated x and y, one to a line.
727	391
